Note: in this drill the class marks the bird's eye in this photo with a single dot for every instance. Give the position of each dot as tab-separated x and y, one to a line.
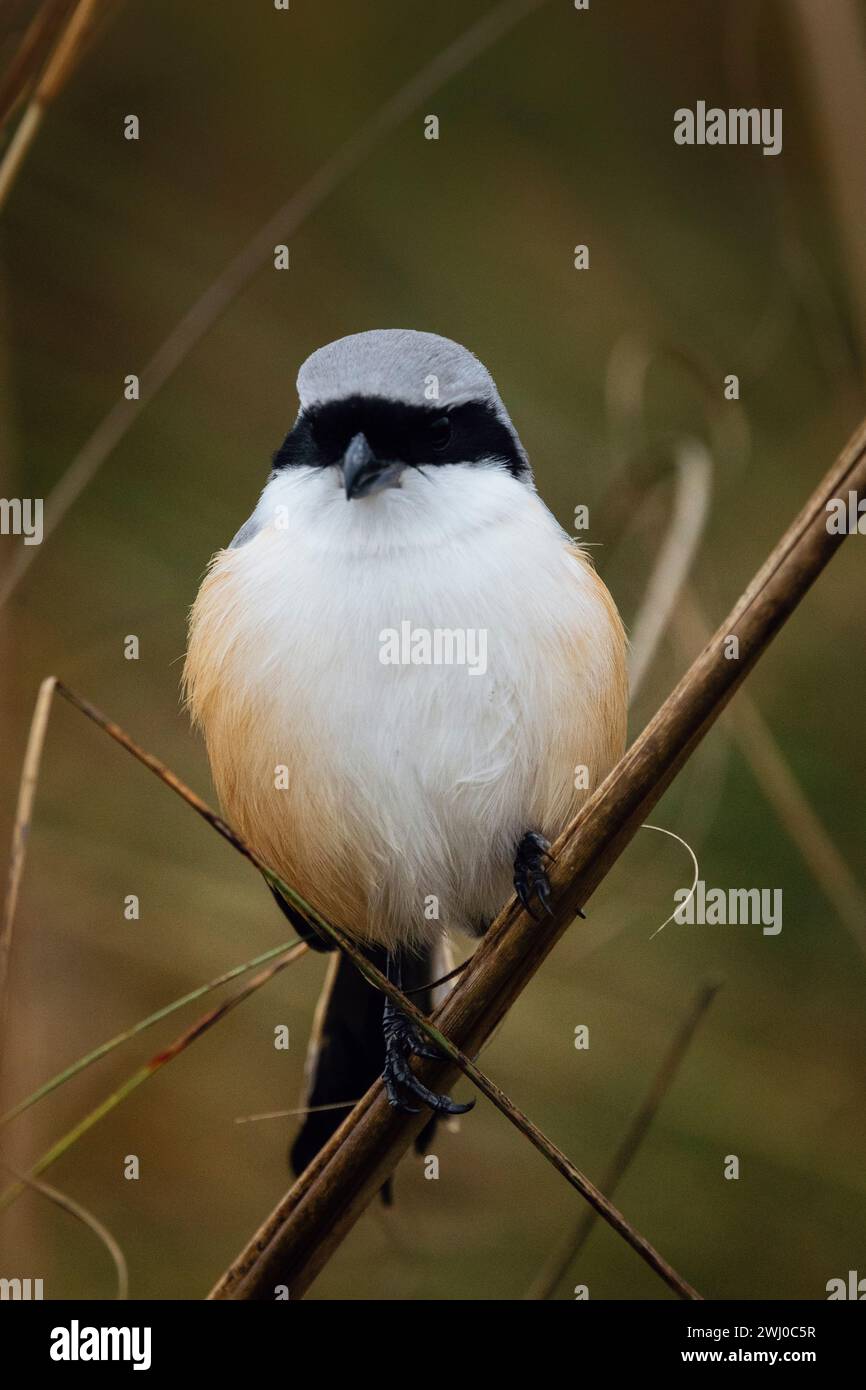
439	433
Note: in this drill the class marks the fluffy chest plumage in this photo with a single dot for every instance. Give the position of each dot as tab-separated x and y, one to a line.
391	697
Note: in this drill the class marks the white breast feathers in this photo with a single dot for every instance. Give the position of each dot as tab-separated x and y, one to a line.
394	690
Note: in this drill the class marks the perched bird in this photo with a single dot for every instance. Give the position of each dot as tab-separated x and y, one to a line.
407	675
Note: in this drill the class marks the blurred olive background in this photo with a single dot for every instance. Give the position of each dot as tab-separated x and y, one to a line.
714	260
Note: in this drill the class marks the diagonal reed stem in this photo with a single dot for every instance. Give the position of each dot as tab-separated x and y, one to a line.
545	1283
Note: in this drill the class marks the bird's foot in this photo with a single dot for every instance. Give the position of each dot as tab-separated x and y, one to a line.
402	1041
530	874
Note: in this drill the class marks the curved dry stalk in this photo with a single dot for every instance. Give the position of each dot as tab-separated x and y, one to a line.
545	1284
86	1218
628	367
198	320
694	472
697	873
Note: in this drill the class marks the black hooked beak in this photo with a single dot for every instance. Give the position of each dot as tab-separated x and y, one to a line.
363	473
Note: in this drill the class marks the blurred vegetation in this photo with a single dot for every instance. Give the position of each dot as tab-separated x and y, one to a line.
560	134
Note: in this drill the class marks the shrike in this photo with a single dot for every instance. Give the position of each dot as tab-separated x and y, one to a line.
408	678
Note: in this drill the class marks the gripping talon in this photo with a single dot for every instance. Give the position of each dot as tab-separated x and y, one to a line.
443	1105
523	894
524	898
395	1100
542	889
530	875
403	1041
422	1048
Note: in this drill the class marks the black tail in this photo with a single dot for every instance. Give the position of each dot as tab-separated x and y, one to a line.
347	1051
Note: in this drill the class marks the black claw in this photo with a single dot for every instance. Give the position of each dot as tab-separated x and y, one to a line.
523	894
402	1041
542	888
530	875
406	1078
537	842
395	1099
421	1048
